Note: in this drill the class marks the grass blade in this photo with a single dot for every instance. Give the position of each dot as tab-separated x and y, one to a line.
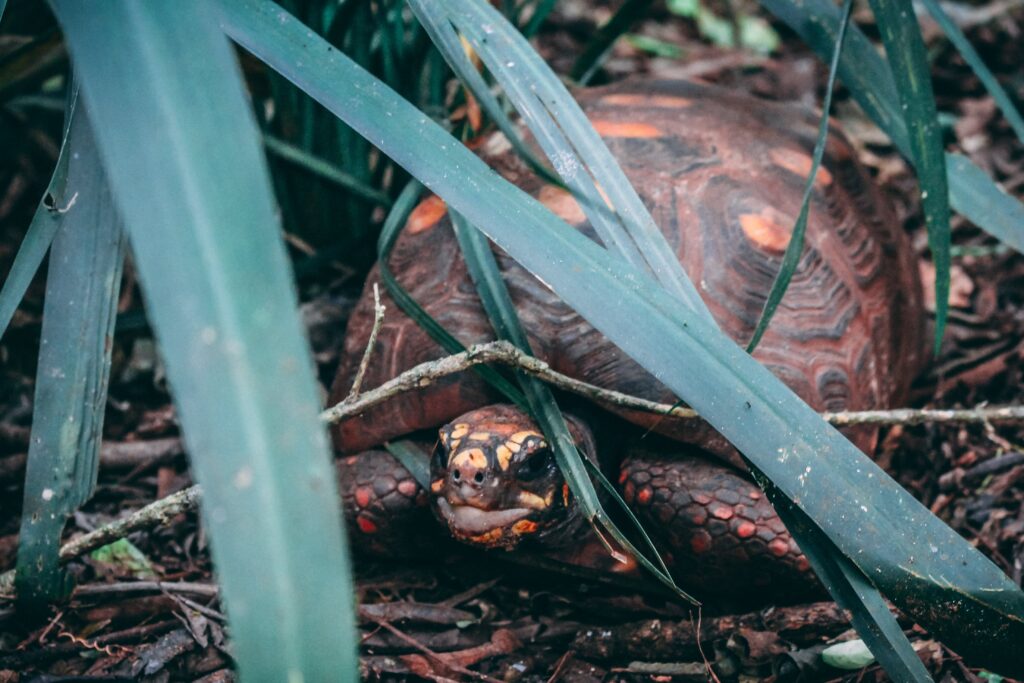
570	141
388	235
908	61
915	559
977	197
795	248
483	269
973	59
40	233
189	178
869	613
324	169
601	43
437	25
74	367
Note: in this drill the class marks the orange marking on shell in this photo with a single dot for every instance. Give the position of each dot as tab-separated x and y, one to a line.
778	547
408	488
365	525
746	529
426	214
626	129
644	496
799	164
473	457
636	100
565	494
722	512
524	526
363	497
764	231
562	204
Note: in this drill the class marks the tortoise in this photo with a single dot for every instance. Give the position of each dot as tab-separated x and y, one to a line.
722	174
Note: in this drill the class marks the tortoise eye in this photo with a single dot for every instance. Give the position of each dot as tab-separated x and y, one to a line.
540	462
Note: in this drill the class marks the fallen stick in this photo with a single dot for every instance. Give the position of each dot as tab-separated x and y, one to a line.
504	353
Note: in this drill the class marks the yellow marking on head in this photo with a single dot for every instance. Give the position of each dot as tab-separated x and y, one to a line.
520	437
473	457
437	485
766	230
504	454
625	129
524	526
512	446
459	430
479	436
533	501
454	445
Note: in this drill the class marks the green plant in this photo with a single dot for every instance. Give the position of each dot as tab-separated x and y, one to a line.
191	187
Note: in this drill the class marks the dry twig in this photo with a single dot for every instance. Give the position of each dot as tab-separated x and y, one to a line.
378	320
505	353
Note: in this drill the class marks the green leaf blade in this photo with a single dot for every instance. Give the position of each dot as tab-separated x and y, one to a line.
908	61
183	157
74	365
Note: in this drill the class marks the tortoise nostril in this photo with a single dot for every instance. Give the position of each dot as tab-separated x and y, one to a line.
479	477
456	475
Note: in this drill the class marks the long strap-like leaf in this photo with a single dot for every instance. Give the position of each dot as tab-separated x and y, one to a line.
74	364
189	178
908	61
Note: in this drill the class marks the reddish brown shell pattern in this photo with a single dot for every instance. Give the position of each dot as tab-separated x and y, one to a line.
722	173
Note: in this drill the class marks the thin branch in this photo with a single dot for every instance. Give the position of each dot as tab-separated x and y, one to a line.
158	513
378	320
506	354
162	511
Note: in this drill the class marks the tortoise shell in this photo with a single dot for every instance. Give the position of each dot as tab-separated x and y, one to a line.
723	174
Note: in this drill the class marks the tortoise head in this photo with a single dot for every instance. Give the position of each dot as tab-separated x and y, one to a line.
494	480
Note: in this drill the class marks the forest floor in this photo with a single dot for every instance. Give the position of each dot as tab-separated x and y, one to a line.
446	615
